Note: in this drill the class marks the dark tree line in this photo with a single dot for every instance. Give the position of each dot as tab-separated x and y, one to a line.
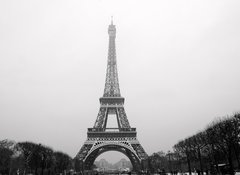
28	157
214	150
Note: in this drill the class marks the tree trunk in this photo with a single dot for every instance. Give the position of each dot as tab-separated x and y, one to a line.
200	160
236	151
42	169
189	164
36	171
230	160
214	159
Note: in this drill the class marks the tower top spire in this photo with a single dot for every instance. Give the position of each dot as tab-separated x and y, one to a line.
111	20
111	84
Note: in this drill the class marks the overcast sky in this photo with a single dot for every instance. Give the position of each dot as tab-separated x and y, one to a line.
178	64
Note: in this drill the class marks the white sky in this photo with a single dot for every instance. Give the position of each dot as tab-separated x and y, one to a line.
178	64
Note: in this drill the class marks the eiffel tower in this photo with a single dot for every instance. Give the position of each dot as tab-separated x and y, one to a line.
101	139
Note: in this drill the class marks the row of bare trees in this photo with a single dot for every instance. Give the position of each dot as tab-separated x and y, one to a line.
214	150
31	158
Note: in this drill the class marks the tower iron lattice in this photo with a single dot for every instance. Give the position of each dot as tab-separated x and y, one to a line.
101	139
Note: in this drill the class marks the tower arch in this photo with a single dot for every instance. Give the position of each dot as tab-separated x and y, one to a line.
92	156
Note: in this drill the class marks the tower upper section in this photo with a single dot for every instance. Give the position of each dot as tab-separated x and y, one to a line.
111	84
112	30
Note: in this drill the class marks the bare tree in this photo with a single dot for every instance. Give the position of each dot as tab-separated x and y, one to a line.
184	148
62	162
6	152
